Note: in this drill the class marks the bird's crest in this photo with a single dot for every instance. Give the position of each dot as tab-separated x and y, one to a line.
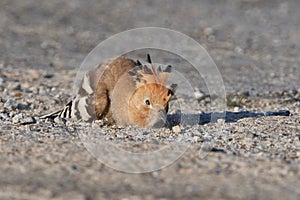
147	75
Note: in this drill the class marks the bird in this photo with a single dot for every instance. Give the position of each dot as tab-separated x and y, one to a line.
122	91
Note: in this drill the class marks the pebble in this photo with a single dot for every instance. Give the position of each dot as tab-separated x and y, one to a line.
236	109
199	94
176	129
196	139
17	95
208	31
42	91
1	81
28	120
167	131
47	75
10	104
17	118
220	121
23	106
14	86
4	116
239	50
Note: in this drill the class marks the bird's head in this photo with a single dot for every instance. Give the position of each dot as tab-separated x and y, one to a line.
148	104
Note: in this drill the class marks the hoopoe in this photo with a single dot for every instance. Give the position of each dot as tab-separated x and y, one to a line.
122	91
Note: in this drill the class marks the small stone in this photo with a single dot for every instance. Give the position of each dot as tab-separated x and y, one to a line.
199	94
34	90
236	109
47	75
208	31
196	139
14	86
176	129
26	85
1	81
220	150
17	118
23	106
17	95
28	120
4	116
239	50
293	91
10	104
42	91
221	121
167	131
272	75
44	45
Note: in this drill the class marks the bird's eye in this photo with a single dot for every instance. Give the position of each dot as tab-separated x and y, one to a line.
147	102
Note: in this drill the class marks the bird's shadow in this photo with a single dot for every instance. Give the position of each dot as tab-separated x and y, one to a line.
228	116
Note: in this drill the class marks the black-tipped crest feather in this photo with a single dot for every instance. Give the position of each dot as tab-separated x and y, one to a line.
145	74
138	62
149	59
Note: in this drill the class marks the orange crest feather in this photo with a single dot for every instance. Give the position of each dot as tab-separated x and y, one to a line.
147	75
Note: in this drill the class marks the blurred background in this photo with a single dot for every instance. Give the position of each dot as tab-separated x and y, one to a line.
255	43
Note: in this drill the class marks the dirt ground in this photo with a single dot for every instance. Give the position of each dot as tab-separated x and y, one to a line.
255	154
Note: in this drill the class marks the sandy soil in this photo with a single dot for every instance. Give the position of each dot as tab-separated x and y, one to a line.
254	155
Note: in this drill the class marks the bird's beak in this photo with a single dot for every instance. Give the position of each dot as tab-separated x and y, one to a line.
159	119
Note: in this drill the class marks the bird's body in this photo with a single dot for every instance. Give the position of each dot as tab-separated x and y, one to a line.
122	91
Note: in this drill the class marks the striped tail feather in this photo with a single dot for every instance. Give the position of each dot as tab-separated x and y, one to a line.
82	106
62	113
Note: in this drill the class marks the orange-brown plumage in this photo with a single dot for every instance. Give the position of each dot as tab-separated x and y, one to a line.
126	92
141	97
148	105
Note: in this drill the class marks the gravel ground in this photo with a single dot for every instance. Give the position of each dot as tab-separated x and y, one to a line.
253	154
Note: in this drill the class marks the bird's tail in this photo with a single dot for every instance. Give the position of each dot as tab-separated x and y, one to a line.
81	106
66	112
